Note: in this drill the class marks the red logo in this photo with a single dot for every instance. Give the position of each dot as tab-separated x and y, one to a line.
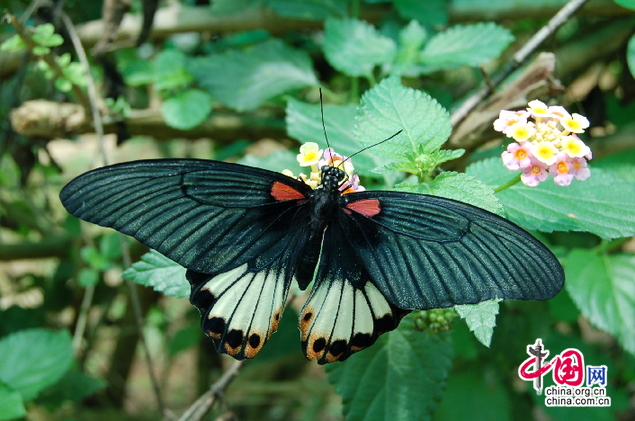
567	368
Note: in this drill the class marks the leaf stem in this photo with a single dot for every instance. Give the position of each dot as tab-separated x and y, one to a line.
507	185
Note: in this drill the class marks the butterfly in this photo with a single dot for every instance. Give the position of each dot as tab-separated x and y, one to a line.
244	234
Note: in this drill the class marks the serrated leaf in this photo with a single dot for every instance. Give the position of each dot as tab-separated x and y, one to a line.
602	287
429	12
187	109
461	187
309	9
411	39
11	404
401	377
34	359
304	122
245	79
468	45
355	47
157	271
480	318
630	54
390	107
602	205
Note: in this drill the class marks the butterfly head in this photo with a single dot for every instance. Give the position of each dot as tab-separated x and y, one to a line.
329	170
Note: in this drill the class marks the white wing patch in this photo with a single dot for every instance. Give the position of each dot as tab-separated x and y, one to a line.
339	319
241	309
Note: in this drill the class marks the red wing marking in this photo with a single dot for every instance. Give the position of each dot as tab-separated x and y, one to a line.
368	207
281	192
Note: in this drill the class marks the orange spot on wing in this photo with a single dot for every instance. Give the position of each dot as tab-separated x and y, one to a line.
281	191
368	207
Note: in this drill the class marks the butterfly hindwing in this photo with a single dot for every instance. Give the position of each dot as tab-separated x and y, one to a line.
344	312
427	252
240	309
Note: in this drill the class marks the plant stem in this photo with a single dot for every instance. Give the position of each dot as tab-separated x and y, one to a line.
507	185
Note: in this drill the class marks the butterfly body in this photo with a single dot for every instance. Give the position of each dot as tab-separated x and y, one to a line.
245	233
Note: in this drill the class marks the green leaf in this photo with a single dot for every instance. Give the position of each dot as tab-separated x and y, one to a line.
480	318
630	54
13	43
411	39
170	71
94	258
34	359
184	339
475	396
309	9
304	122
110	246
230	7
401	377
74	386
277	161
187	109
429	12
602	287
355	47
461	187
157	271
138	73
45	36
246	79
602	205
629	4
469	45
88	277
390	107
11	404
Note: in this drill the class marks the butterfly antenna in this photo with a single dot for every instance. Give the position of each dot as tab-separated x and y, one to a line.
373	145
323	124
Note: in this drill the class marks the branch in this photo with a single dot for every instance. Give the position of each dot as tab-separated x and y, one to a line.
47	119
519	58
203	404
93	96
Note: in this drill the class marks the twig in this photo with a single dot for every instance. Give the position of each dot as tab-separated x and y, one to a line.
199	408
48	59
93	96
521	55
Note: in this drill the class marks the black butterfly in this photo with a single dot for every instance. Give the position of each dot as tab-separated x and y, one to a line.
244	233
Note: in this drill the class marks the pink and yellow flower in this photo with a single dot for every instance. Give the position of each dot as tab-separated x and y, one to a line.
549	145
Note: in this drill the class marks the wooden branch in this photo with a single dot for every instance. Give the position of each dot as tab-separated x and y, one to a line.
47	119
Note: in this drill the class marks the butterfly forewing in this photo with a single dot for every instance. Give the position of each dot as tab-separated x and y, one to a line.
208	216
427	252
237	229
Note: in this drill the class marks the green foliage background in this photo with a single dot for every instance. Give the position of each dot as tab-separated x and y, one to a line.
69	342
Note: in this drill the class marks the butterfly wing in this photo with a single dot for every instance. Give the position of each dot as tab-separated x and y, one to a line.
344	312
237	229
427	252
